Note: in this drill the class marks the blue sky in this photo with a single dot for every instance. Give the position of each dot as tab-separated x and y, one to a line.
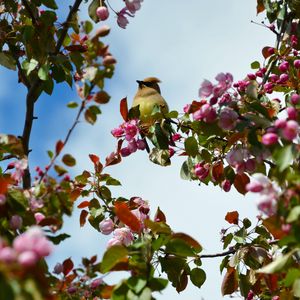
182	43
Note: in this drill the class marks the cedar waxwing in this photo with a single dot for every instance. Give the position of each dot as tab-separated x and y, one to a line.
147	96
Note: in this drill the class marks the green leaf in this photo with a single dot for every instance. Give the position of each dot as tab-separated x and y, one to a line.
43	72
7	61
72	104
198	277
157	284
277	265
92	10
58	238
48	86
50	4
31	66
191	146
294	214
185	173
291	276
255	65
160	157
283	157
180	248
112	181
160	137
296	288
112	256
136	284
69	160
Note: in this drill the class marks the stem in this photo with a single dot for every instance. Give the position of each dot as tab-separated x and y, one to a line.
33	95
231	251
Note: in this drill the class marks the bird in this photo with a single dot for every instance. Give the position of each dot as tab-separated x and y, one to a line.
147	96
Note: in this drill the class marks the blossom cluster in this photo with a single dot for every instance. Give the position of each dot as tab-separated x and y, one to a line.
129	130
268	191
131	7
122	235
27	249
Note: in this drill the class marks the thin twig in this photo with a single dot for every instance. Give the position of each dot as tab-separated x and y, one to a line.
9	156
231	251
66	25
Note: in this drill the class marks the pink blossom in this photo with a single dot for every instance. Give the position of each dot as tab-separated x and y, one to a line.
171	151
280	123
102	12
202	170
141	144
35	203
236	156
2	199
39	217
28	258
254	187
295	99
33	240
132	146
106	226
125	152
96	282
290	131
226	185
133	5
297	63
118	132
186	108
206	89
228	118
206	113
269	139
283	78
176	137
271	50
284	66
58	268
273	77
20	166
122	17
292	113
7	255
131	129
251	76
15	222
268	87
122	236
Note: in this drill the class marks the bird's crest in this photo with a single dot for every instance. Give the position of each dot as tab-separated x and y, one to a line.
152	79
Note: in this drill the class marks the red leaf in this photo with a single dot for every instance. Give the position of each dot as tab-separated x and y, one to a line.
84	204
78	48
217	171
127	217
67	266
106	291
230	283
232	217
59	146
113	159
182	283
273	224
265	52
75	194
195	106
124	109
240	182
94	158
49	221
160	216
260	7
4	182
188	240
83	216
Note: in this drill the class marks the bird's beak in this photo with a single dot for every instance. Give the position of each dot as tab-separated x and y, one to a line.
139	82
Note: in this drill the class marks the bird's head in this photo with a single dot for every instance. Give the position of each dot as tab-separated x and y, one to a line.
149	82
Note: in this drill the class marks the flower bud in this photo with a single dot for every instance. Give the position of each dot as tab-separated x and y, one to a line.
297	63
269	139
102	12
292	113
15	222
284	66
295	99
58	268
106	226
226	185
290	131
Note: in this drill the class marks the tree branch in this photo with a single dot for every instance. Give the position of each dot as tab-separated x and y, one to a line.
221	254
66	25
32	94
